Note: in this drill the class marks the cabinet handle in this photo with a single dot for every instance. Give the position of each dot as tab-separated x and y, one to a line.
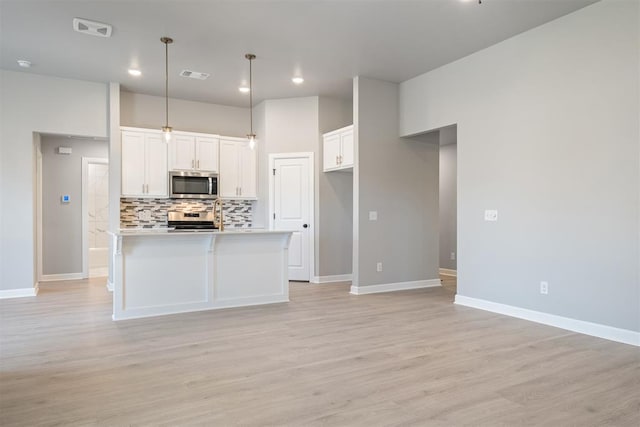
142	188
241	191
147	188
337	160
193	164
340	159
197	164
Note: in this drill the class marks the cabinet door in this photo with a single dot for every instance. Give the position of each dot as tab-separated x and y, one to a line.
247	172
207	154
346	148
182	152
331	151
229	164
157	172
133	157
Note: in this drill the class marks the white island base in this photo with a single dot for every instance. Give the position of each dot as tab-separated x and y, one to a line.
163	272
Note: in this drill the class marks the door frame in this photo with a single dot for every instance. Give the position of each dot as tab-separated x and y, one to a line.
86	161
312	196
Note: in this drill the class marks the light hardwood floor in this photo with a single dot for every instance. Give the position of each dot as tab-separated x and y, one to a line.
325	358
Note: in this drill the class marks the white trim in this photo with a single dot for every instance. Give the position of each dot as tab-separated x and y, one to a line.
19	293
312	195
448	272
86	161
38	205
331	279
64	276
391	287
109	286
594	329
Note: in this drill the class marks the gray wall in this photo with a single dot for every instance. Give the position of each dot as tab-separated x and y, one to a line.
148	111
33	103
448	194
398	178
548	131
62	223
295	125
335	224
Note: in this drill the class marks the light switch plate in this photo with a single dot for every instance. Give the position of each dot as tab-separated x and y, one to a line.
490	215
373	215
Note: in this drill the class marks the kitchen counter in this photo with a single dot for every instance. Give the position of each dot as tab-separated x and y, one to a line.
163	271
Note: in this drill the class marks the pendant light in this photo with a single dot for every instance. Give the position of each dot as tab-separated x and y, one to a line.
166	129
251	136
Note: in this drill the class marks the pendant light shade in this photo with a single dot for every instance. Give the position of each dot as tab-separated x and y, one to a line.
251	136
166	129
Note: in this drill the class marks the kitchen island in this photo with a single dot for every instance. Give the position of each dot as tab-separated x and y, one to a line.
159	272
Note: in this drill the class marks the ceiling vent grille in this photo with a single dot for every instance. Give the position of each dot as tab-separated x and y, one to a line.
194	75
92	28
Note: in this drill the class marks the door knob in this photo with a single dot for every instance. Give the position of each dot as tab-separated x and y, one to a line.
305	225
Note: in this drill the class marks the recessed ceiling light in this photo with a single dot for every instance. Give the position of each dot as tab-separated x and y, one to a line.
297	80
24	63
244	89
135	72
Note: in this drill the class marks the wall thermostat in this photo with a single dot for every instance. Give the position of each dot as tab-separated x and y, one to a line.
65	198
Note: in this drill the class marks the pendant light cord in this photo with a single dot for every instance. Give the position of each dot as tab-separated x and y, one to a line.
251	95
166	82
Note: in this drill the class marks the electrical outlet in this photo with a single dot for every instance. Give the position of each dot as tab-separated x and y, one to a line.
373	215
544	288
453	256
379	267
490	215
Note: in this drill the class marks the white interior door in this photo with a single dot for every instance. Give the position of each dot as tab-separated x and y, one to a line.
291	211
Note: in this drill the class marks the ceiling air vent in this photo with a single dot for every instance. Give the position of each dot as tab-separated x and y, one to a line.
92	28
194	74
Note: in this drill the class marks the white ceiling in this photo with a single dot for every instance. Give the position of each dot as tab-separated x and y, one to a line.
328	42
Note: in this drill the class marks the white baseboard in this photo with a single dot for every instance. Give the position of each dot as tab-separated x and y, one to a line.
57	277
594	329
19	293
109	286
448	272
391	287
331	279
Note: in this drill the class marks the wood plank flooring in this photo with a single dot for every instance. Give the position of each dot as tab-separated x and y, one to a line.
325	358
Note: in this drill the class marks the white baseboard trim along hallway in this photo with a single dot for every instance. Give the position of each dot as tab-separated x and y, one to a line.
19	293
448	272
331	279
391	287
594	329
57	277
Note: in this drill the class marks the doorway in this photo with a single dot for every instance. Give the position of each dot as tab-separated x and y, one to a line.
62	205
95	217
291	204
448	173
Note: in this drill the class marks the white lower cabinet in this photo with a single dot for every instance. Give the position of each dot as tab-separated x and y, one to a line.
338	149
144	165
237	169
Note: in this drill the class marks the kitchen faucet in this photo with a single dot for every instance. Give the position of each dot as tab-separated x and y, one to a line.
220	224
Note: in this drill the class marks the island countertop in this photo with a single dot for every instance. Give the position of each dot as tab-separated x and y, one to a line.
123	232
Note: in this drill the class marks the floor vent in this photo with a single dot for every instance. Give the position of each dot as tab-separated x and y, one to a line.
92	28
194	74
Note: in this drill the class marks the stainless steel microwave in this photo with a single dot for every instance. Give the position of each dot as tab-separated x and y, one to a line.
193	185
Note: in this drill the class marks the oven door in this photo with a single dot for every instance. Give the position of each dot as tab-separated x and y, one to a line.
189	185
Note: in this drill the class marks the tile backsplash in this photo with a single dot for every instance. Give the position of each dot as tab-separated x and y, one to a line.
237	213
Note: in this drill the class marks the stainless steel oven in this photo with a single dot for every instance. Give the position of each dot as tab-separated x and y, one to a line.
193	185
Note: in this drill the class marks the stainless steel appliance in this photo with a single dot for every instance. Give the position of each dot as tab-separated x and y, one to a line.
193	185
191	221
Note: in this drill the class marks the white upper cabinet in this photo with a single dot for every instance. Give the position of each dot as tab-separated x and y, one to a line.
237	169
338	150
193	152
144	164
